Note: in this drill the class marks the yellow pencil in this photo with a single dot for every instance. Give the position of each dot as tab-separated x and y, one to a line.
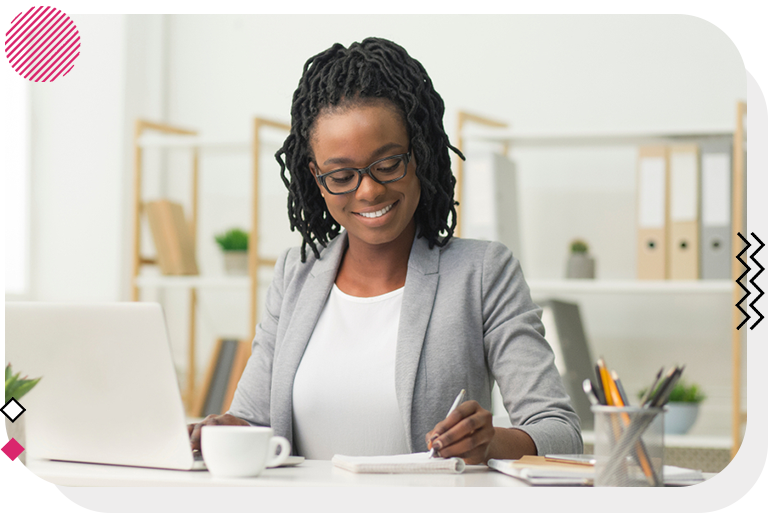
617	401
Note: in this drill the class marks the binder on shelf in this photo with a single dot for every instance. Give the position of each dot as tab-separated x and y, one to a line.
238	367
683	229
172	238
491	200
565	334
716	210
652	213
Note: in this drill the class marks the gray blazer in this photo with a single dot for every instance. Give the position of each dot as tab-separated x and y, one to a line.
466	319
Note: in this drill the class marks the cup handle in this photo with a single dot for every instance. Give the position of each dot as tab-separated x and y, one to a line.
285	451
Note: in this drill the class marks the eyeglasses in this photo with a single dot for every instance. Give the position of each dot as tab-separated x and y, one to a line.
383	171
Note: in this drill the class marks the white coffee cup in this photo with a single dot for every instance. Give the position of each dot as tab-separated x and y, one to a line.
242	451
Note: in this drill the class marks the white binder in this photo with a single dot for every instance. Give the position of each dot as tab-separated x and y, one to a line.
652	213
683	231
490	210
716	185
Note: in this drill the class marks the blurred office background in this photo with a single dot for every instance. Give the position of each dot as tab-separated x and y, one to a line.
72	210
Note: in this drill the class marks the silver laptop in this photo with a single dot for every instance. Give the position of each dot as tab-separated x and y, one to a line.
108	392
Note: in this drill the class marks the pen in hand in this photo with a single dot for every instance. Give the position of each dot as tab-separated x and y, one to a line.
455	405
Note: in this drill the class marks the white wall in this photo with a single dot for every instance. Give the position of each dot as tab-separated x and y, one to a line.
78	244
542	74
145	62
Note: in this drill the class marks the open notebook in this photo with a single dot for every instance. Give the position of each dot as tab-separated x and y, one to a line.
398	464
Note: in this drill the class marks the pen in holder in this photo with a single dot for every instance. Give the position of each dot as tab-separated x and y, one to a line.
629	446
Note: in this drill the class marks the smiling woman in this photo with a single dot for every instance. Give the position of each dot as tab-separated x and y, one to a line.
367	340
378	218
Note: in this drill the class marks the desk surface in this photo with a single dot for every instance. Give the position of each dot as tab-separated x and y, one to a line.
309	473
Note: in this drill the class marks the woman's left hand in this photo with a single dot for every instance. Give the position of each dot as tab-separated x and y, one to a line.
465	433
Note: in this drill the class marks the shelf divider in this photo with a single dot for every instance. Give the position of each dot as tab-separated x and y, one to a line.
628	286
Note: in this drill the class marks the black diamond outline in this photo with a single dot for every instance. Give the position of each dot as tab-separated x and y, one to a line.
23	409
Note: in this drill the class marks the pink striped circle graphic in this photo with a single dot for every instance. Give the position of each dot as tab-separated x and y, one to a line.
42	44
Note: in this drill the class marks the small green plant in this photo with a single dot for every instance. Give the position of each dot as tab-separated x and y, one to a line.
233	239
579	247
683	392
17	386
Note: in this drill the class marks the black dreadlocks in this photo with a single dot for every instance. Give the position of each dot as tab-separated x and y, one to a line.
373	69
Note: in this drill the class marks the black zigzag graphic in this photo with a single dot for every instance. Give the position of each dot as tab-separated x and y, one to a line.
738	280
754	278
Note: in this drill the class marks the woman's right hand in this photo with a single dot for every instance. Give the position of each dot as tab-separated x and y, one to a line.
211	420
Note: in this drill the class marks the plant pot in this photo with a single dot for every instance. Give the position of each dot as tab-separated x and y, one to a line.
17	431
580	266
236	262
680	417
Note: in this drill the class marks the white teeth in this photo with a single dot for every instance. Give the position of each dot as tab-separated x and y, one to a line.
377	214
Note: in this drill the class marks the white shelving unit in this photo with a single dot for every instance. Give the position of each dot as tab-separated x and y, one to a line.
175	141
148	140
513	139
598	286
479	129
191	281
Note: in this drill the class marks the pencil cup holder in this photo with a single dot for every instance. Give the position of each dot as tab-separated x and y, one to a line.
629	446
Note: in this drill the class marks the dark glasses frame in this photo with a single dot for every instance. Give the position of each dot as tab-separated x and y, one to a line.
362	171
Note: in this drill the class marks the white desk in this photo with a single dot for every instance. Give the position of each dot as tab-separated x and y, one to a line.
310	473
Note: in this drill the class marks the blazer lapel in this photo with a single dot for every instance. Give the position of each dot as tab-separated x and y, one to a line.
418	299
305	316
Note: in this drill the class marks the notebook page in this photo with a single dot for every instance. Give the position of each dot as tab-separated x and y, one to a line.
398	464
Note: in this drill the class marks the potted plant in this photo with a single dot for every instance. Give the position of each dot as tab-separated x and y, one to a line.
234	244
16	387
580	264
682	408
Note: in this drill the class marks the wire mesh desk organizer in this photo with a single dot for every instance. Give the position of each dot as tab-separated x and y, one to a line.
629	440
629	446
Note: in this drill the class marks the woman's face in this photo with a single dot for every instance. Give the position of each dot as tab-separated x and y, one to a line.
355	137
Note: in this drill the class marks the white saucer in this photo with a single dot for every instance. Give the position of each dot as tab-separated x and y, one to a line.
291	461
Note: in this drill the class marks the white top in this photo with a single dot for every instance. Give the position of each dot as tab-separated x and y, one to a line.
344	398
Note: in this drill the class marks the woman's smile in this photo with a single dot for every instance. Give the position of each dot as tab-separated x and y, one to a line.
373	214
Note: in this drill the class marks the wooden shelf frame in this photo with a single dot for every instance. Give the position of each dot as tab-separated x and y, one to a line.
148	134
738	224
140	128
